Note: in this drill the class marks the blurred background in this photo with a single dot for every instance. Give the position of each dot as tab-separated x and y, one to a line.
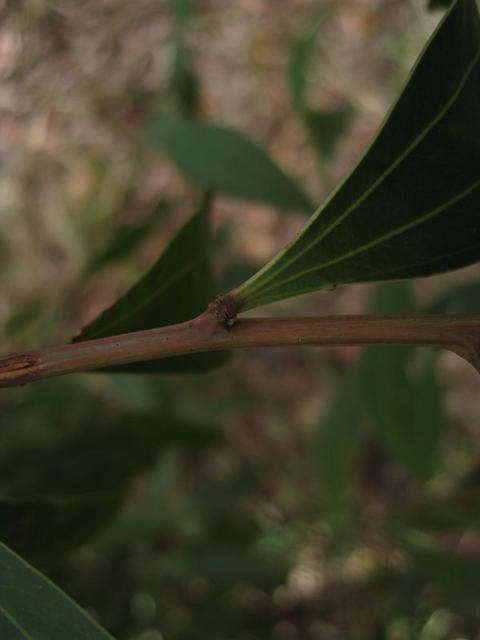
293	493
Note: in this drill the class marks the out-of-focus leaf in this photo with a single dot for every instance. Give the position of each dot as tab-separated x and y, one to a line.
214	157
207	511
124	242
204	513
26	525
182	10
404	403
410	207
76	503
406	411
299	62
439	4
326	127
183	81
457	577
32	607
301	57
222	565
111	454
151	512
338	437
24	317
178	287
465	298
446	515
393	298
214	500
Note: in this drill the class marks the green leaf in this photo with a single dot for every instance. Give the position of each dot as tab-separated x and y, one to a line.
178	287
300	61
338	437
406	410
464	298
404	402
325	128
27	524
33	608
130	442
183	81
393	298
301	57
124	242
181	10
45	478
143	520
221	564
214	157
458	577
410	208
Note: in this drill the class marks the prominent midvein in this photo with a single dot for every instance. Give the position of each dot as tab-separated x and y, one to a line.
373	186
15	624
398	231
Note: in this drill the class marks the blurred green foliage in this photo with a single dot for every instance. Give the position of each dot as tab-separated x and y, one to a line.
172	291
207	507
205	154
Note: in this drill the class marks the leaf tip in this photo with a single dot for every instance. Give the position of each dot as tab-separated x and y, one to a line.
17	369
470	352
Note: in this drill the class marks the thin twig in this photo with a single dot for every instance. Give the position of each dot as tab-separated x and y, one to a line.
457	333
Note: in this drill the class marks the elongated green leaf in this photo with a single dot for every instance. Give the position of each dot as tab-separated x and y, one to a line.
325	128
181	10
222	565
406	410
124	242
438	4
45	479
178	287
302	53
404	403
338	437
411	206
33	608
465	298
214	157
131	444
27	524
183	81
299	63
456	576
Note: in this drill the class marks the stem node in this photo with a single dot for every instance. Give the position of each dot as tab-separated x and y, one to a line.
225	308
211	332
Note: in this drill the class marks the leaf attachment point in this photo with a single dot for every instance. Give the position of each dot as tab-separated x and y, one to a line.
225	308
410	208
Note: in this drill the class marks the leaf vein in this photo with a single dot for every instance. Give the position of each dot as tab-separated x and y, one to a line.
409	149
146	301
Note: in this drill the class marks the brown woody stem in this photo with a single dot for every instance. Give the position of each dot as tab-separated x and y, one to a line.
457	333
